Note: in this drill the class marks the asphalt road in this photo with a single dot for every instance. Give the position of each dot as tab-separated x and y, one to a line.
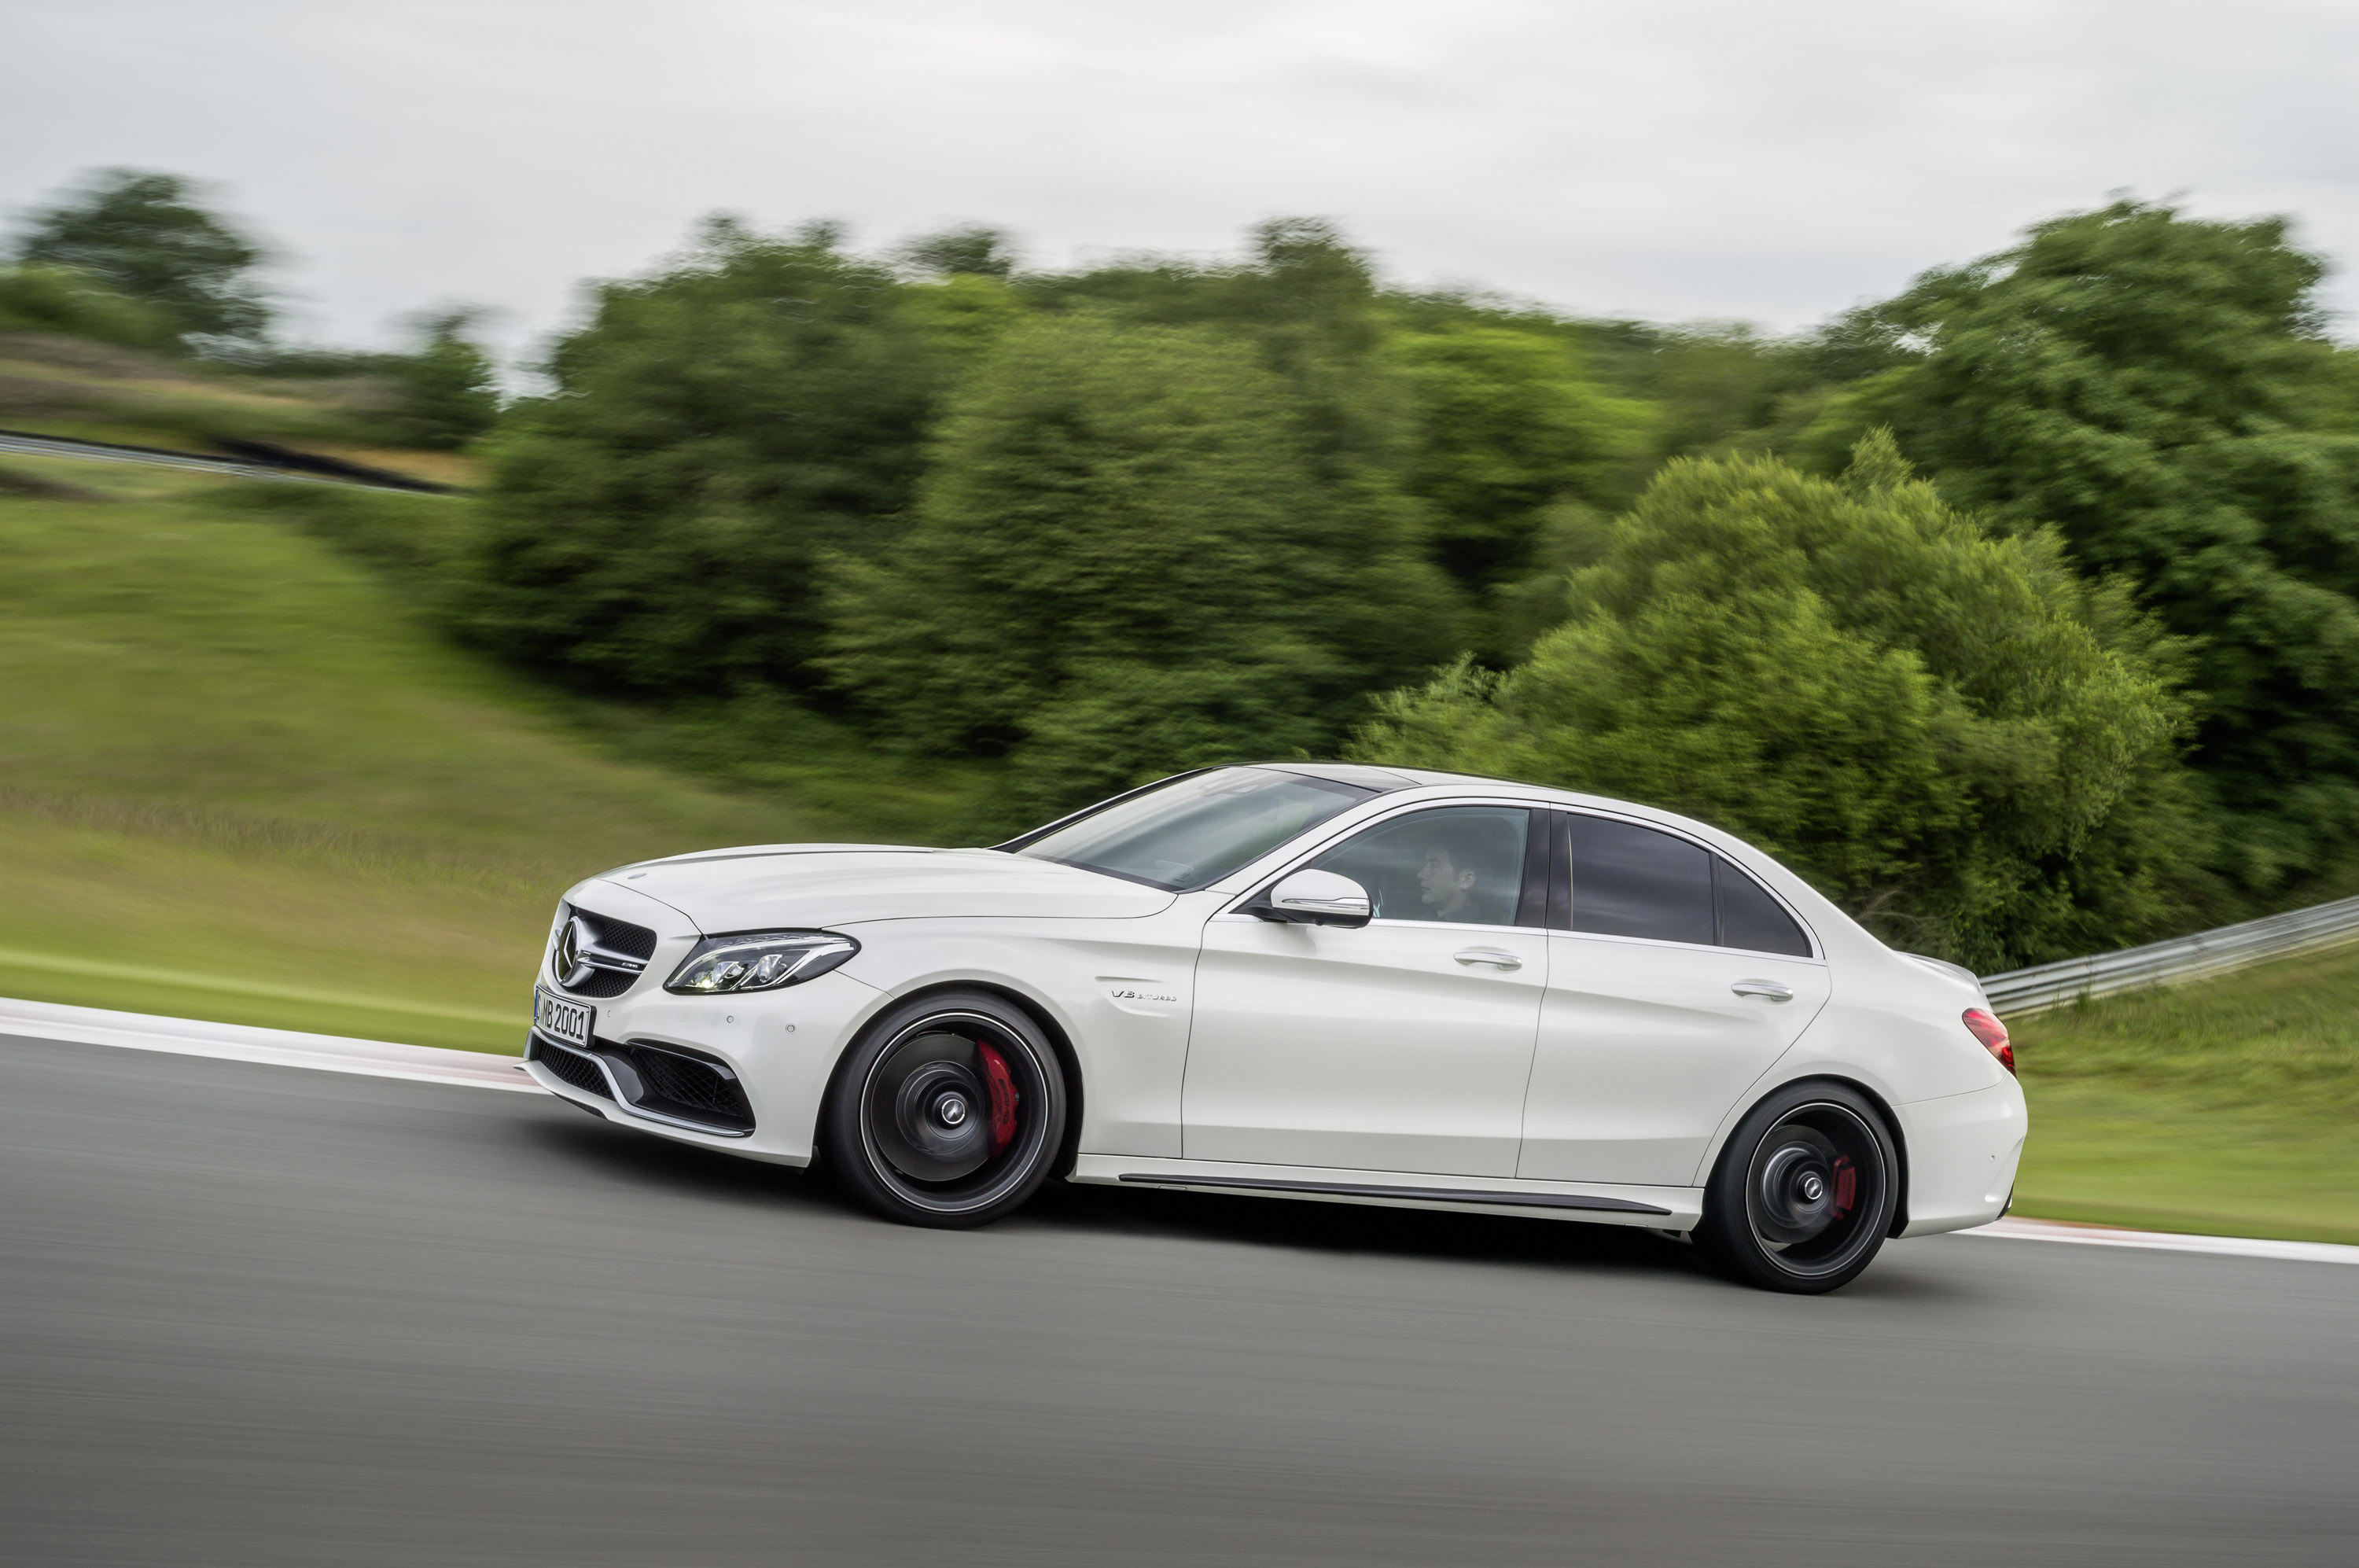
24	444
253	1315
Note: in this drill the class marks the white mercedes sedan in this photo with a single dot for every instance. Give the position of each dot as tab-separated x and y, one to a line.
1303	980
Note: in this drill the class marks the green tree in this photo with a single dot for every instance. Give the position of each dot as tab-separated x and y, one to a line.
1307	302
1122	562
655	522
1718	388
1508	422
1949	732
2162	390
450	386
974	250
143	234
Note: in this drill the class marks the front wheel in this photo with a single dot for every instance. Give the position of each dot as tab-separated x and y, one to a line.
1804	1192
947	1112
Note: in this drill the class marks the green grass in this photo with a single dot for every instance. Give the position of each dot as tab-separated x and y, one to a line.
241	778
2231	1106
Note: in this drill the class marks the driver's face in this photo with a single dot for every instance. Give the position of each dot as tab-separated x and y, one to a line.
1441	885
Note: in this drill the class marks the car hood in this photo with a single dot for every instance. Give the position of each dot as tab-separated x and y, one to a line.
793	885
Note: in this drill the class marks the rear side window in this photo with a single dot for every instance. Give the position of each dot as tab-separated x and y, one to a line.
1629	880
1633	881
1751	918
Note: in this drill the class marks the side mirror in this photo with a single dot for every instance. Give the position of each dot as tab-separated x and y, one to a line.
1317	899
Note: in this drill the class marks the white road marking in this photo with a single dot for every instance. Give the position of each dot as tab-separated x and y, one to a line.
481	1070
278	1048
2015	1229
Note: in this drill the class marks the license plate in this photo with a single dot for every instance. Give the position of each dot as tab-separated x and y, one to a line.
560	1019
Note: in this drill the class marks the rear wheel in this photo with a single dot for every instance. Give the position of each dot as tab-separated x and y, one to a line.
1804	1192
948	1111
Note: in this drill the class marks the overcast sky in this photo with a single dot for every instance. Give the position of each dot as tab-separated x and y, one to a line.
1669	159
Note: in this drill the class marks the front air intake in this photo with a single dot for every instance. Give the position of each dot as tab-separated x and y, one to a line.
661	1082
569	1065
688	1088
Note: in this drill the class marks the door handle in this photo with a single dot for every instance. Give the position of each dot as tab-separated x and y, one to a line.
1769	990
1487	958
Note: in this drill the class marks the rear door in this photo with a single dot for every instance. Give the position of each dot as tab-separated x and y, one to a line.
1402	1046
1675	980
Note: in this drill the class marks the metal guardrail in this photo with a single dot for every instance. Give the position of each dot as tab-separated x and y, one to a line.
2182	958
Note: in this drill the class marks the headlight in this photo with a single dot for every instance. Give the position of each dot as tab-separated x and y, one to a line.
759	960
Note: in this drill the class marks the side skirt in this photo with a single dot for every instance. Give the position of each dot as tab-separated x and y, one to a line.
1661	1208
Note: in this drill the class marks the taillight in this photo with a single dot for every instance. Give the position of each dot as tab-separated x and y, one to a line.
1992	1034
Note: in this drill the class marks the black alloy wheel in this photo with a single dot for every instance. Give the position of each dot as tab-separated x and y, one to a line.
1805	1191
948	1111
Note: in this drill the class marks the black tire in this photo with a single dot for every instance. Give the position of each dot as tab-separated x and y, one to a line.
1803	1194
920	1125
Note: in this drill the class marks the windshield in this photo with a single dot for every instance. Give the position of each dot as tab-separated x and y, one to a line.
1192	832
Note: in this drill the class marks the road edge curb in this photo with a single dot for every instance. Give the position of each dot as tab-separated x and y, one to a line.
276	1048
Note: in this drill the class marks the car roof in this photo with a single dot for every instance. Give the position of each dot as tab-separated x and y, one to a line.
1388	779
1394	780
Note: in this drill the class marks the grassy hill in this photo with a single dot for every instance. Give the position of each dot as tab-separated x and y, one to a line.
51	384
240	780
2230	1106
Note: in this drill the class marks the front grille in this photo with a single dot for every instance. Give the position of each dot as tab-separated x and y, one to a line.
572	1066
691	1088
637	942
620	935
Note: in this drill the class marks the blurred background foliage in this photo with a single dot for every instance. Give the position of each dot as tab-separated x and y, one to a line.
656	521
145	236
2020	611
1948	730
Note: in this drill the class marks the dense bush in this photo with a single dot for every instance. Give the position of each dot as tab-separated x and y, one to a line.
450	389
1973	750
74	304
2161	389
1308	305
655	522
1122	562
1509	423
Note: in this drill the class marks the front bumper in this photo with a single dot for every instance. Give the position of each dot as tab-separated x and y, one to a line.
744	1074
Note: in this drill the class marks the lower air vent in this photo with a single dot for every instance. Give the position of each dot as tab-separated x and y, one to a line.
688	1088
569	1065
665	1082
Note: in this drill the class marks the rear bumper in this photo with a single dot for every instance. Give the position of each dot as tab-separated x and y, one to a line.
1963	1150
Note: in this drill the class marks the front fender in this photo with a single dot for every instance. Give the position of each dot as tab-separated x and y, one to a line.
1120	992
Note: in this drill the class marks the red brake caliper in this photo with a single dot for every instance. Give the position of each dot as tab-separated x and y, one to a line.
1002	1086
1846	1181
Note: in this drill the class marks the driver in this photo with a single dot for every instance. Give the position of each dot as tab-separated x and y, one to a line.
1469	874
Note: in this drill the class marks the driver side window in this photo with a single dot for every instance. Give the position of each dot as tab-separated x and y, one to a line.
1459	863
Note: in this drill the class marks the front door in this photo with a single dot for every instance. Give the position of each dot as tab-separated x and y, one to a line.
1402	1046
1681	982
